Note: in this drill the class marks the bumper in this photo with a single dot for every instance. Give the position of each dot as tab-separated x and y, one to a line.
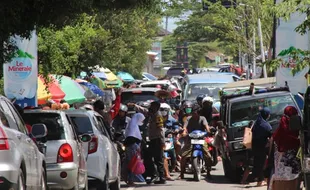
8	174
54	180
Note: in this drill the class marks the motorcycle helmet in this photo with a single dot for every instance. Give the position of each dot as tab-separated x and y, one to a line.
208	99
187	107
200	97
123	108
88	107
164	109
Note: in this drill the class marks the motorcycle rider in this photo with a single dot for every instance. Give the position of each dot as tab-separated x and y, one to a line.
186	110
121	120
195	122
199	99
207	108
169	124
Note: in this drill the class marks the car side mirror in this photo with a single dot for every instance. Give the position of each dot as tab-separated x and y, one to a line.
39	130
85	138
295	123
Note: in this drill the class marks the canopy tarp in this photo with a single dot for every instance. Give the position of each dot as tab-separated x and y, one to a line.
126	77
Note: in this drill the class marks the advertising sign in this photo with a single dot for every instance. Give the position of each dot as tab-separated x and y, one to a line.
21	73
156	47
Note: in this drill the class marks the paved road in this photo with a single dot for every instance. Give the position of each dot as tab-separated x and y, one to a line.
219	182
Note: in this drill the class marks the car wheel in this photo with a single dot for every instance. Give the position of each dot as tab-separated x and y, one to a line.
104	185
43	180
117	184
21	180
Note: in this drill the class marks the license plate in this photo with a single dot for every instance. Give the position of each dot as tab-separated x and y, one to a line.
195	141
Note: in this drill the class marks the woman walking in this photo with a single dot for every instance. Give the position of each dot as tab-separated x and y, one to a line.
132	144
286	165
262	131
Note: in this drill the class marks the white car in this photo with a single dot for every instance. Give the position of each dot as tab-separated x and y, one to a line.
22	165
65	157
103	160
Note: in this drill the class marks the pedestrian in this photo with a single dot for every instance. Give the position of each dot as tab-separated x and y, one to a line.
157	139
132	143
287	165
261	132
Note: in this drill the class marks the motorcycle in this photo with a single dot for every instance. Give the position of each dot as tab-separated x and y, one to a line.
169	149
212	149
119	138
197	142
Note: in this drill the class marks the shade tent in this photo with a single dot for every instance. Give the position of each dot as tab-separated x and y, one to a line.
126	77
98	82
49	91
74	93
95	89
100	75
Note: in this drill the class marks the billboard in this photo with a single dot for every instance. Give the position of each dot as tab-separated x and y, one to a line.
21	73
156	47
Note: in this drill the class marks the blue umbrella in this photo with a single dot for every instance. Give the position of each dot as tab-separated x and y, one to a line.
100	75
95	89
125	76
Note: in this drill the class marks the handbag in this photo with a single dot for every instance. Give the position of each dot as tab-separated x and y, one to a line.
136	165
247	137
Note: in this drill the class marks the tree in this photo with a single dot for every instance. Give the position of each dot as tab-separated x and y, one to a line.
73	48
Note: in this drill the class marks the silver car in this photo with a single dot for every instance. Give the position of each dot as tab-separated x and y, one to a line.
65	157
22	165
103	161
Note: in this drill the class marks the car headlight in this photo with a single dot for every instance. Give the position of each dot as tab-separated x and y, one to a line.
238	145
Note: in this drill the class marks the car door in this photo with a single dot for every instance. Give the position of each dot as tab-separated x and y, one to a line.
27	146
114	156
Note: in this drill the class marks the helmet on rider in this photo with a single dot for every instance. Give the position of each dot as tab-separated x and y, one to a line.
207	99
164	109
187	107
123	110
199	98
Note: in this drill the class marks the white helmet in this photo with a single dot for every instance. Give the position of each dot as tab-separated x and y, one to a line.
207	99
165	106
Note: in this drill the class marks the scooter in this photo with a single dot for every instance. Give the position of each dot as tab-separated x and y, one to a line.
169	149
212	149
197	142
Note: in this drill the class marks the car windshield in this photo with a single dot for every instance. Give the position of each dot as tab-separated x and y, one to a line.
149	76
209	89
139	96
174	72
52	121
83	124
245	111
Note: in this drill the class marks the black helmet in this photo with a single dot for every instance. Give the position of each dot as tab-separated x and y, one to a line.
200	97
187	104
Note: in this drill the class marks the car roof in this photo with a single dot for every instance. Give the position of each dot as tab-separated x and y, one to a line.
210	77
156	82
145	89
258	94
44	111
82	112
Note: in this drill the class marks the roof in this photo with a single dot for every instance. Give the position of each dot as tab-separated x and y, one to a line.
259	95
81	112
211	77
43	111
261	91
141	89
212	55
156	82
268	82
162	32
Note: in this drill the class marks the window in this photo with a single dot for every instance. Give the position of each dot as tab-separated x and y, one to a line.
210	89
140	96
9	116
55	128
83	124
245	111
103	127
19	122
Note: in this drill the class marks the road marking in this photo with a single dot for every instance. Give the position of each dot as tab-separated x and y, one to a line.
130	188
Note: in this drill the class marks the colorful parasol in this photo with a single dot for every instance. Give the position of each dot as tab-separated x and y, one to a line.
74	93
126	77
49	91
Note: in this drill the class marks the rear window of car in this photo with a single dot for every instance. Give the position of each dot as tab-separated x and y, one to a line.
135	97
83	124
55	128
245	111
174	71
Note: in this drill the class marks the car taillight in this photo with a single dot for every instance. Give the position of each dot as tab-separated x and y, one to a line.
65	154
93	145
4	143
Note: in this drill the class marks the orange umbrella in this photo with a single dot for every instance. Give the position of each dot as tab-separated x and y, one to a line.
50	91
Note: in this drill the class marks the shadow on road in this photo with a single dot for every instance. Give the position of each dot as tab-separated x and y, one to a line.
219	179
141	185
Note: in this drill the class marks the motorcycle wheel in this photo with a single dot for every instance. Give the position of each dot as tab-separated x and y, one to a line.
214	157
197	168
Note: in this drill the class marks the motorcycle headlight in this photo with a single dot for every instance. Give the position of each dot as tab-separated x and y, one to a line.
237	145
193	136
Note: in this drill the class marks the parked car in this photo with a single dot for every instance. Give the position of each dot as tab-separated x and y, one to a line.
22	165
65	157
103	161
148	77
237	111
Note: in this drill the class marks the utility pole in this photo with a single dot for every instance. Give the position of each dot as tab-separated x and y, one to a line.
260	34
274	34
246	34
254	54
166	31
